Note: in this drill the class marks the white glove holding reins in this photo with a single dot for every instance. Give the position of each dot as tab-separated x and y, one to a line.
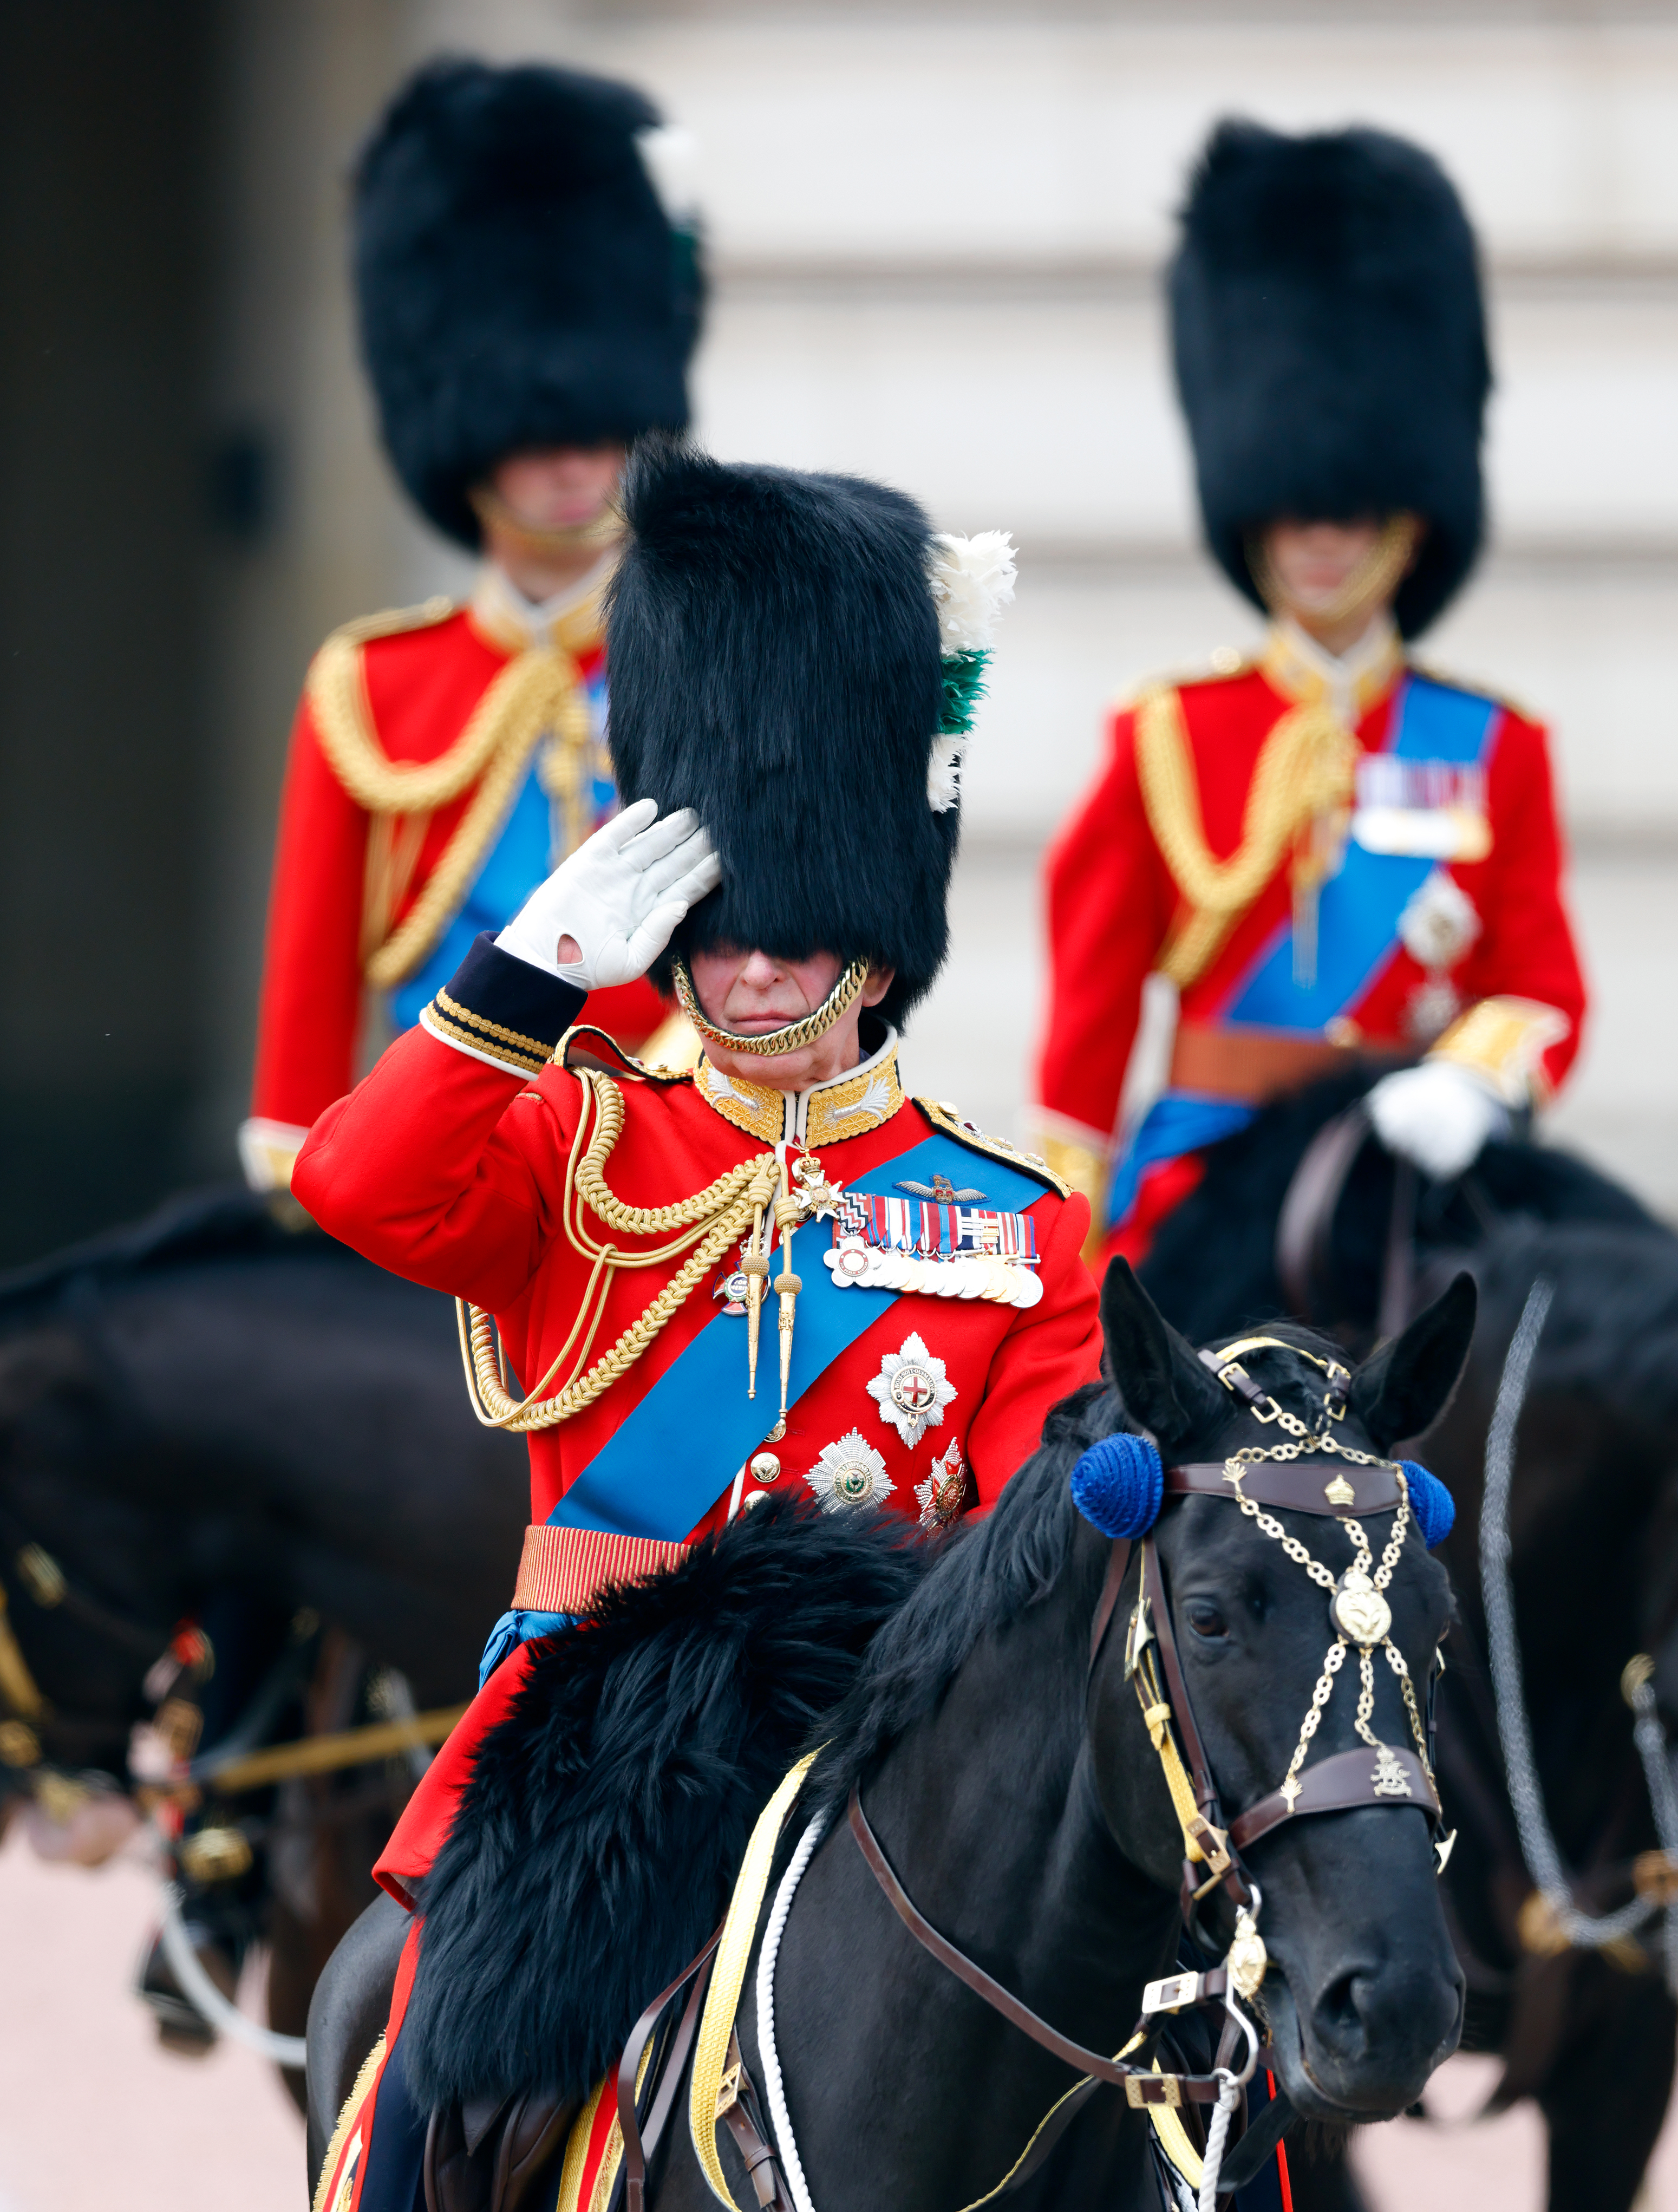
619	896
1437	1114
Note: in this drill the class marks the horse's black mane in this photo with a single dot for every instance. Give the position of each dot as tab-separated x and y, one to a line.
221	1221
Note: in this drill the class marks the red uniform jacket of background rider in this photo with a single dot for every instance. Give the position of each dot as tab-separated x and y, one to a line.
1112	902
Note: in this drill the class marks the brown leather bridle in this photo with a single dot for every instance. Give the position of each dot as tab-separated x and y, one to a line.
1342	1782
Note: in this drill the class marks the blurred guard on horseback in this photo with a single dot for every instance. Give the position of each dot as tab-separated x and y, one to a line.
1325	850
795	661
528	284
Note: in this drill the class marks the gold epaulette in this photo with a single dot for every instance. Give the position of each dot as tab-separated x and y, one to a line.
1221	666
583	1045
428	613
946	1117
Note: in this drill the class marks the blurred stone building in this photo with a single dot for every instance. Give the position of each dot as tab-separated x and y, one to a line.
935	231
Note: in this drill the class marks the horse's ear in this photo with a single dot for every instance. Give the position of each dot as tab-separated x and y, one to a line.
1405	1387
1159	1375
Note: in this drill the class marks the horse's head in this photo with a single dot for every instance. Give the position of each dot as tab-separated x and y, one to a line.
1363	1994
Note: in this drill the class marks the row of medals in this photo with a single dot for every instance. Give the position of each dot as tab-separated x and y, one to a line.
857	1264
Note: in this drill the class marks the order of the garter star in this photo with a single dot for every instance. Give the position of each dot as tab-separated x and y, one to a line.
911	1390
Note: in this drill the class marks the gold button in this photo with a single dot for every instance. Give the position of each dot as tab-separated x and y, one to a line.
765	1467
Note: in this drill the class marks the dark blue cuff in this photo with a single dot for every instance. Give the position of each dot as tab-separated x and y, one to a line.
502	1009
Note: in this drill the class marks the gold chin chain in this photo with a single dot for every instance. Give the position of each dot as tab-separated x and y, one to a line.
536	538
1357	1603
793	1036
1373	580
704	1226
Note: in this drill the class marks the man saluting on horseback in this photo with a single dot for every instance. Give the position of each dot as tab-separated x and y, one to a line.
778	1274
527	305
1325	850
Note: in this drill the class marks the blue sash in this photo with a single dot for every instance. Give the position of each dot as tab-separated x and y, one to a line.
675	1454
1178	1122
1358	909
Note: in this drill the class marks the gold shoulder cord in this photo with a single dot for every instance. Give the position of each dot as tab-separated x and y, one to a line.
709	1222
536	692
1305	771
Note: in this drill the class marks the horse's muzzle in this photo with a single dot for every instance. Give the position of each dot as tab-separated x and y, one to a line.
1373	2037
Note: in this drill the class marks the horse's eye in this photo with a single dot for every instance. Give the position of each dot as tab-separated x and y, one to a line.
1205	1618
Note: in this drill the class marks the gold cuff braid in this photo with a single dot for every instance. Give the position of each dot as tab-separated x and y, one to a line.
1504	1039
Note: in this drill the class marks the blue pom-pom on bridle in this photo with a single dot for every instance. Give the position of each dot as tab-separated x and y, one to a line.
1118	1485
1431	1502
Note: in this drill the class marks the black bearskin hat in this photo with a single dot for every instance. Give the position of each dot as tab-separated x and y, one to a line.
773	645
519	283
1330	346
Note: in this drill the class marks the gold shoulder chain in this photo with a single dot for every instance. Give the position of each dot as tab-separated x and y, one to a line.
520	694
709	1222
537	691
1305	767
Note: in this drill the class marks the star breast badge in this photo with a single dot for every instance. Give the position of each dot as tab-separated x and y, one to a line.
849	1472
912	1390
944	1492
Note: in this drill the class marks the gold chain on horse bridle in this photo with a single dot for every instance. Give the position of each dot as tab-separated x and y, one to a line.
704	1225
1357	1603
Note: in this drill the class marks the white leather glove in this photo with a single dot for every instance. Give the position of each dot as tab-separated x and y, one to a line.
1437	1114
619	895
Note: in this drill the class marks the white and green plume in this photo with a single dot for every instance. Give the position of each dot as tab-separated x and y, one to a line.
972	580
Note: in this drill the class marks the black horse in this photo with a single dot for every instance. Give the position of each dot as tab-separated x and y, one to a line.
1213	1267
1590	2037
212	1418
1014	1790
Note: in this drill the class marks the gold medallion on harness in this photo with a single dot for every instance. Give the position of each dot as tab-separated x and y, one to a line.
1247	1961
1358	1610
1389	1779
1340	1492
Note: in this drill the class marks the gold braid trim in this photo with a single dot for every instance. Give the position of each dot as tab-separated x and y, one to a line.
548	690
538	691
1304	770
710	1222
352	2107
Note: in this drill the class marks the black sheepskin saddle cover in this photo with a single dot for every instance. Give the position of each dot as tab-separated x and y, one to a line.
597	1842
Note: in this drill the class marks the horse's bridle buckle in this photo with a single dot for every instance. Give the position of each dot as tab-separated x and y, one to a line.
1142	2090
1172	1993
1213	1848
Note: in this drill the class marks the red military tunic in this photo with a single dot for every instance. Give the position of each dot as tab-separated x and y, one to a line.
448	1165
1501	979
373	869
